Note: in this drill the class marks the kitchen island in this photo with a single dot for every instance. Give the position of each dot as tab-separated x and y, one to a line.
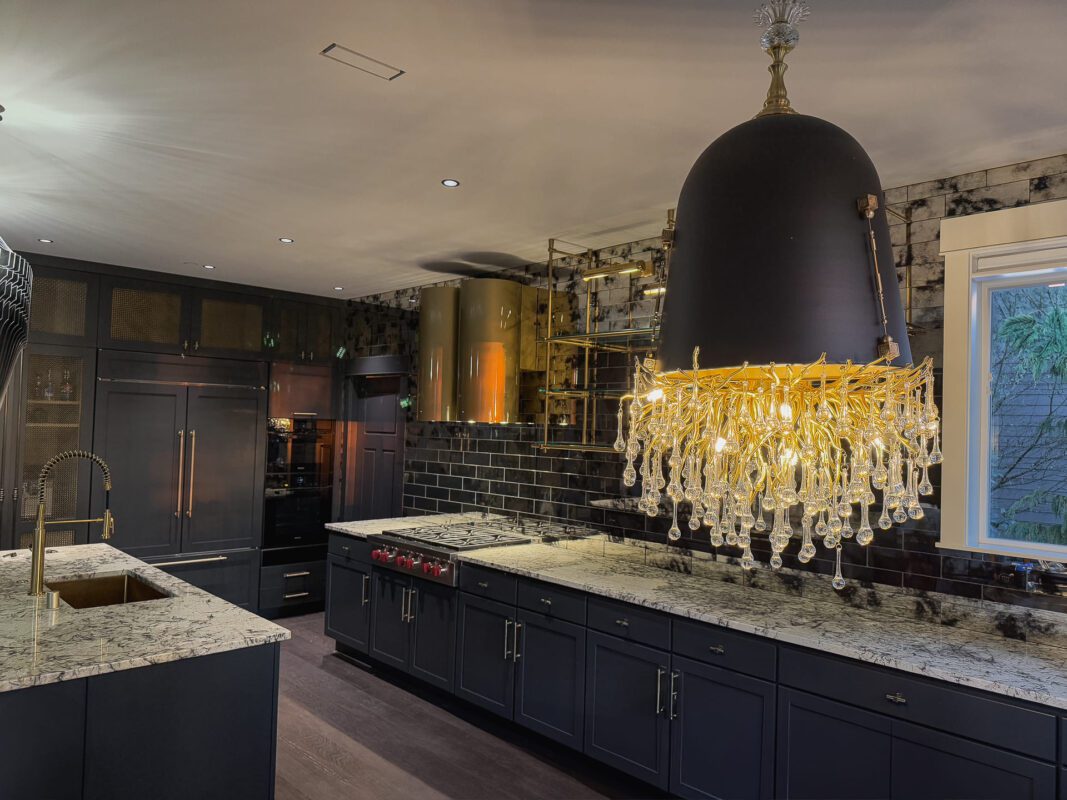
137	685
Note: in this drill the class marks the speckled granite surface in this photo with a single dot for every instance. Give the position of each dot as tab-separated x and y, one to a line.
952	639
39	646
1017	669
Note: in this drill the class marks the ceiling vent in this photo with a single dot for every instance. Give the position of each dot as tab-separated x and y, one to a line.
350	58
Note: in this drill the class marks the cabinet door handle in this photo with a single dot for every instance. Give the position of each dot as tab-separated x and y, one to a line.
483	584
625	623
192	472
294	595
897	699
311	355
181	471
507	625
718	649
196	345
660	672
366	586
403	605
672	713
344	548
411	605
515	648
185	346
546	601
302	574
207	560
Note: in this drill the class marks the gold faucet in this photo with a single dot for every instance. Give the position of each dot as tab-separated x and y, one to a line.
37	563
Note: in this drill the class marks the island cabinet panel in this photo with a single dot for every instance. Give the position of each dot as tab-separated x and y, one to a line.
485	648
830	751
928	765
201	727
348	597
390	640
626	721
722	733
432	621
42	735
550	677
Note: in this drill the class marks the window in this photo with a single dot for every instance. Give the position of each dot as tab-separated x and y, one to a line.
1005	408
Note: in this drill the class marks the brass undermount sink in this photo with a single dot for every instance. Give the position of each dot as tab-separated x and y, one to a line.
107	590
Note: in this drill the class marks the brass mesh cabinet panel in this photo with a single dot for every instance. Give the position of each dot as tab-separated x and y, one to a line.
145	315
59	306
230	325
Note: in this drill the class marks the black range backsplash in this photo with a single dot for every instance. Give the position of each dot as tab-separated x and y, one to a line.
453	467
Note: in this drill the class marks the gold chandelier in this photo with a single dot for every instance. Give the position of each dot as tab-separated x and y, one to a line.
809	450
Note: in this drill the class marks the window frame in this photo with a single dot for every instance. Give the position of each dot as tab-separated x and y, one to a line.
983	253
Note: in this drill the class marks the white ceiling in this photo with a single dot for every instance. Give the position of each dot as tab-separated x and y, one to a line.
151	134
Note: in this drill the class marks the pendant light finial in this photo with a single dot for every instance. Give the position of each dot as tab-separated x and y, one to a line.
780	18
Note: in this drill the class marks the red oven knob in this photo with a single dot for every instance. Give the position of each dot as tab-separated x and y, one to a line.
409	562
426	567
437	570
376	554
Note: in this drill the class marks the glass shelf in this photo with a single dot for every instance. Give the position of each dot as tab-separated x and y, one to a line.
623	341
578	394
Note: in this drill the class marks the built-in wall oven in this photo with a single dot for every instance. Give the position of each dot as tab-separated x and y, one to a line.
299	481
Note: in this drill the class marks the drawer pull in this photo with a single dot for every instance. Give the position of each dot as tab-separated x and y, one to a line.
303	574
718	649
483	584
897	699
625	623
295	595
344	548
547	601
209	560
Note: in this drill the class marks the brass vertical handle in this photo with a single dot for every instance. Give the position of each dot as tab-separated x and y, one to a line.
507	625
192	472
515	654
366	586
660	672
181	471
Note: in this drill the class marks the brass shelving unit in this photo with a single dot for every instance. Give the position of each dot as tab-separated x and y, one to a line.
571	261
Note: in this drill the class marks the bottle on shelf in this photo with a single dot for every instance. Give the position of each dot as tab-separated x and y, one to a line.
66	389
50	388
36	393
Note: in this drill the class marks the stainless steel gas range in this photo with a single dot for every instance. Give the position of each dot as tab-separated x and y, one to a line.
429	551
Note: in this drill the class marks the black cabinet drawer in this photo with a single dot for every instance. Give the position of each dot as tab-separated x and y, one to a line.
293	577
488	583
271	597
232	575
723	648
552	601
350	547
630	622
893	693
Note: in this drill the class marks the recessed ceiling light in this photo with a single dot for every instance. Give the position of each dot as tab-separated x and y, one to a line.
338	288
285	240
45	241
208	266
450	183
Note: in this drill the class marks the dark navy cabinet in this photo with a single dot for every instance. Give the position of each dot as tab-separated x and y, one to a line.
485	654
348	607
390	640
550	677
722	733
43	724
626	717
413	625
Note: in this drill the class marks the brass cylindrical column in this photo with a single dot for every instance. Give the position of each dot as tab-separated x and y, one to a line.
489	311
438	335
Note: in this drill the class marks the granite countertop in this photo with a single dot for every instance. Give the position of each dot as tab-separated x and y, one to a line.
1034	672
362	528
39	646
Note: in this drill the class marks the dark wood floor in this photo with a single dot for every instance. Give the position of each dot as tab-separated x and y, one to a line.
345	731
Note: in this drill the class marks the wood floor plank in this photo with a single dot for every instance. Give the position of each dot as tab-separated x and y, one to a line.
349	732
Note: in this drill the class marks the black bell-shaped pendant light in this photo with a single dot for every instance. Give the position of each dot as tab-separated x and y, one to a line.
783	401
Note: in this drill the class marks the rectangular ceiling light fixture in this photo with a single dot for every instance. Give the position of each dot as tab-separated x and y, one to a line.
642	268
350	58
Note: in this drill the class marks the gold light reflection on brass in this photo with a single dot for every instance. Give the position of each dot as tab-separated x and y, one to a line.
746	446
